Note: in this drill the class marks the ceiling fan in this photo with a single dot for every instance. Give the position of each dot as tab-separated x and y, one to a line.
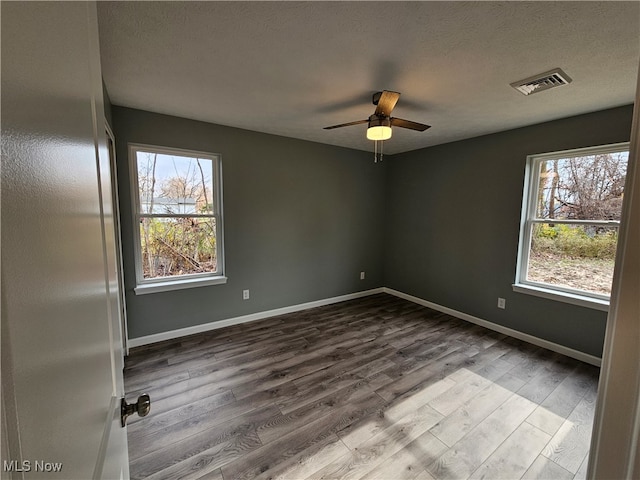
381	121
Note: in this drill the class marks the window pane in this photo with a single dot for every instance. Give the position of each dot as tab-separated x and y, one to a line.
581	257
172	184
588	187
178	246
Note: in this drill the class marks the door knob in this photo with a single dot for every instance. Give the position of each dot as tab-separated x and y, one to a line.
141	407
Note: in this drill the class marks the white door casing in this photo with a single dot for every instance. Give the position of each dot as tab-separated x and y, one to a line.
61	333
115	202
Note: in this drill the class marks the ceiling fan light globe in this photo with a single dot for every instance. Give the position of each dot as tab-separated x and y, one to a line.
379	132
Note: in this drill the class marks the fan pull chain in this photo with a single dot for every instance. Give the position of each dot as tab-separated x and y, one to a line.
377	158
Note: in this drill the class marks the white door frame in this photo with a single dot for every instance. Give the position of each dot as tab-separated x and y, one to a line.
614	447
118	237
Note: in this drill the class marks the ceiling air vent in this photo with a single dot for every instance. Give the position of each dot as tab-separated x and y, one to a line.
543	81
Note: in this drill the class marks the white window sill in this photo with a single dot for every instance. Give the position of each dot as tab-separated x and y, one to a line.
566	297
167	286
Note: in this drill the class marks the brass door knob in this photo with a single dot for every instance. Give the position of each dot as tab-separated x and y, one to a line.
141	407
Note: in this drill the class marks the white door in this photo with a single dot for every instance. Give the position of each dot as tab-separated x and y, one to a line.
615	445
61	334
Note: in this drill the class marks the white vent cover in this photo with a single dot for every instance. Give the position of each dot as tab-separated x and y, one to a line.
543	81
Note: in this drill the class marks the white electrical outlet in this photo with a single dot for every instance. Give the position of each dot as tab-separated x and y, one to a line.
502	303
245	294
361	275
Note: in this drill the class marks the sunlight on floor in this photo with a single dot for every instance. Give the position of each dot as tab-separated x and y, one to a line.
462	426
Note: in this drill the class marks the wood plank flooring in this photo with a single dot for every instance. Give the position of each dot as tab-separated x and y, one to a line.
374	388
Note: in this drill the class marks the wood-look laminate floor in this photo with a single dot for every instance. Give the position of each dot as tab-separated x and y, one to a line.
371	388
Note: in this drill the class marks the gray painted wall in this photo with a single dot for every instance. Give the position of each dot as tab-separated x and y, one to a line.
453	223
301	220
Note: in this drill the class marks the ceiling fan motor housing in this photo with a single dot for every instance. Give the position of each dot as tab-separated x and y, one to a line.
379	121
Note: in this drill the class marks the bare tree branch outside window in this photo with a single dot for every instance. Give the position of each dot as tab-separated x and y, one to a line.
177	219
575	230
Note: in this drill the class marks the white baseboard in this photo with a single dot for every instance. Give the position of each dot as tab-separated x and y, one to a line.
569	352
182	332
205	327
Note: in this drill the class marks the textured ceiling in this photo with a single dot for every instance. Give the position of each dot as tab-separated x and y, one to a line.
291	68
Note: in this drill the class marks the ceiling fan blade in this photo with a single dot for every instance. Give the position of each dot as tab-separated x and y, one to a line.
357	122
399	122
387	102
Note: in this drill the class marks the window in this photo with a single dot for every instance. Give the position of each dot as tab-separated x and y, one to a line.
570	220
178	208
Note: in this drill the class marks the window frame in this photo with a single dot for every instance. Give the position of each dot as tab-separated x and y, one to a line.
529	218
178	282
